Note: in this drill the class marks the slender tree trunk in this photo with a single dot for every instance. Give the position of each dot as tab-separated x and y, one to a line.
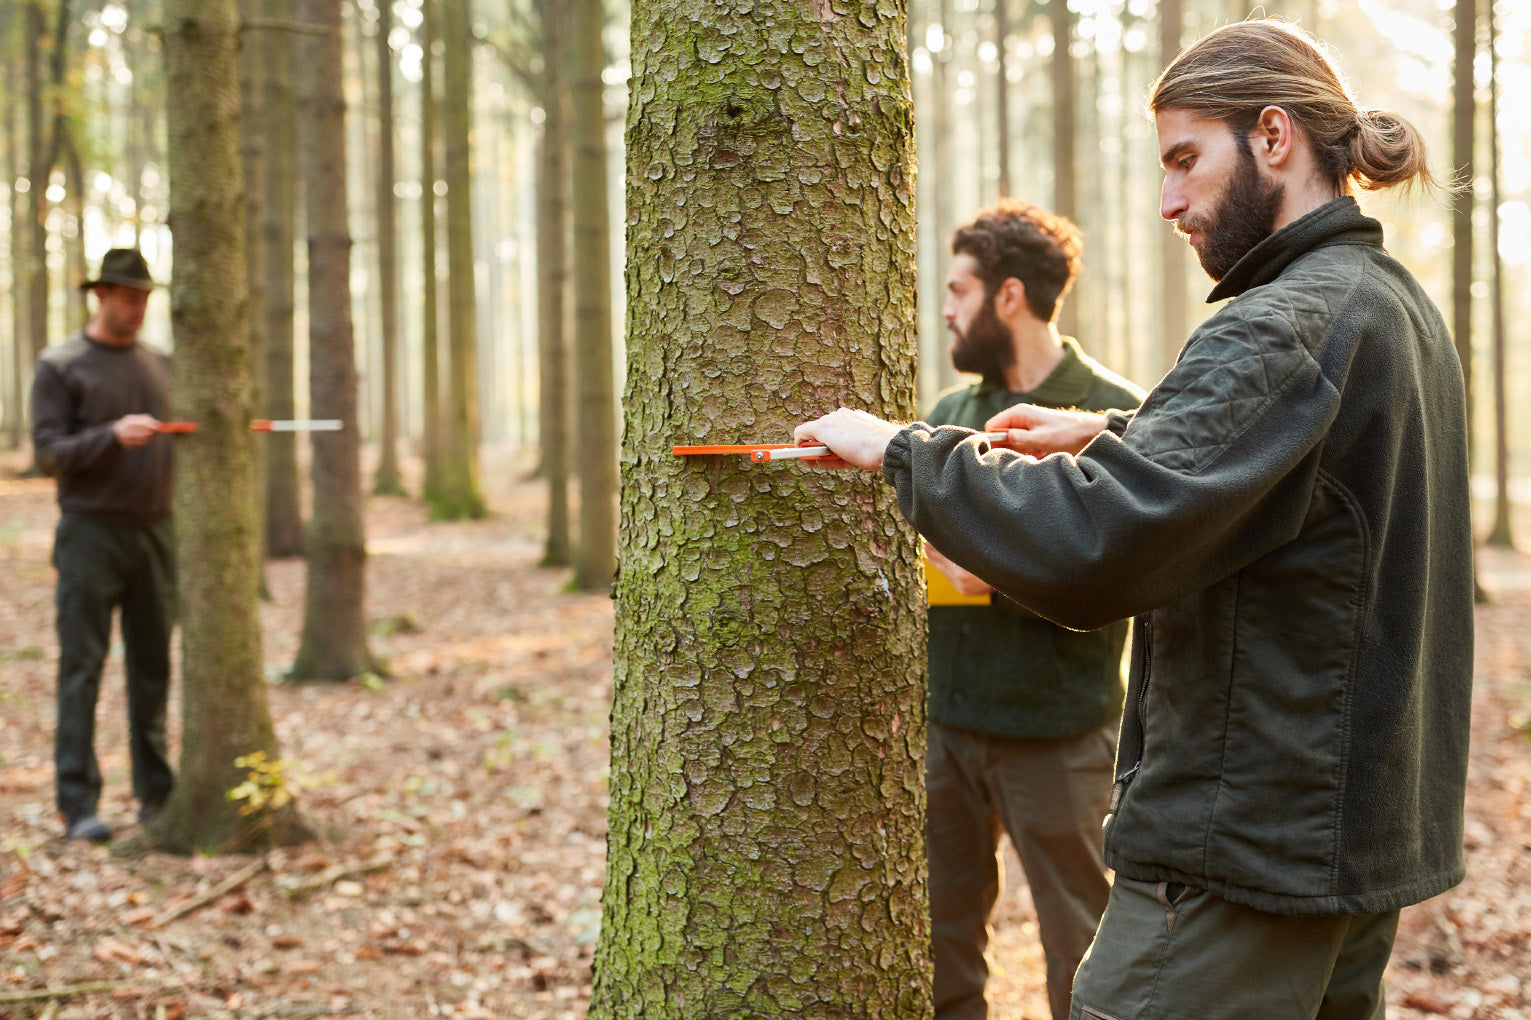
430	342
19	351
1065	132
1002	94
596	556
1500	534
1463	134
224	691
254	130
553	284
765	852
75	269
33	280
458	496
1172	250
334	642
284	515
388	480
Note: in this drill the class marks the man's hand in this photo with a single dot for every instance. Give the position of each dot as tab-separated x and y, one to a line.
1039	431
856	439
134	430
963	580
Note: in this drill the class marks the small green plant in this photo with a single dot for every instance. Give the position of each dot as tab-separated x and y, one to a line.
269	785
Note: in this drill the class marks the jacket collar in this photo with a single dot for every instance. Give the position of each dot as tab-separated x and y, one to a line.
1067	385
1336	222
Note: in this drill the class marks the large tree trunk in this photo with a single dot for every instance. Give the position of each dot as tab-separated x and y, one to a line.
458	496
596	557
765	853
553	283
223	700
284	515
334	642
19	351
388	480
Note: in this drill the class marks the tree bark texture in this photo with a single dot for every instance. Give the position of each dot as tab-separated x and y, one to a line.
284	515
334	642
459	497
765	854
595	558
1500	533
224	694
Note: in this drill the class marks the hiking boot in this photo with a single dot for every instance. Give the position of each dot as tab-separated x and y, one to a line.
88	828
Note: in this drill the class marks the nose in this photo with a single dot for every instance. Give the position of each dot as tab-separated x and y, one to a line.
948	312
1172	204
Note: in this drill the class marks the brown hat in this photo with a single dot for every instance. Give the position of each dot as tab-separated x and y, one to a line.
124	266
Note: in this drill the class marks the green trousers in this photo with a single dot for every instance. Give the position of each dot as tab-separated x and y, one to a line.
101	568
1170	952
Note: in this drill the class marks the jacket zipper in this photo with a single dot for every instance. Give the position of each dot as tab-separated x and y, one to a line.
1124	779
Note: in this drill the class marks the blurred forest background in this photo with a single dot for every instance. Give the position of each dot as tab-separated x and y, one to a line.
473	312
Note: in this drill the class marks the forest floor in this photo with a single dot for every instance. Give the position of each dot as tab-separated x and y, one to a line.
460	807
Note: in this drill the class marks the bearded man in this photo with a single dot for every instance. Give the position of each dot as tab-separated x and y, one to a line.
1287	517
1023	713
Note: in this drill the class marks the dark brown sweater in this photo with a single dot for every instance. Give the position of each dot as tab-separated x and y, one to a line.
80	388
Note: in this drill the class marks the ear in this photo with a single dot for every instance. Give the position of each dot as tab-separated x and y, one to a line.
1273	139
1010	297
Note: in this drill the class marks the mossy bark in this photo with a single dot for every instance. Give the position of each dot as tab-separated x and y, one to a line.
224	704
765	855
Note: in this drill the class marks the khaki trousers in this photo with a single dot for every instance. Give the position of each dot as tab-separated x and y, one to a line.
1049	796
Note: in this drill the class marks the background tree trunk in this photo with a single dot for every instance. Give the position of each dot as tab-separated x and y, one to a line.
284	515
253	132
388	480
1500	532
33	271
595	558
1173	316
223	699
553	282
430	313
458	497
765	852
334	642
1065	129
1463	134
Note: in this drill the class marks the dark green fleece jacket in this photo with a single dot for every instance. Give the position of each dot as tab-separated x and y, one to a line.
1001	668
1288	512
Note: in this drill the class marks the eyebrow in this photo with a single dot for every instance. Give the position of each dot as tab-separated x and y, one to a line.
1173	152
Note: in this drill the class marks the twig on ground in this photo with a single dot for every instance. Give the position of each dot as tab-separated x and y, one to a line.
234	881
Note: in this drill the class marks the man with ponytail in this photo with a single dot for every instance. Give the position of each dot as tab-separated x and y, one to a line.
1286	516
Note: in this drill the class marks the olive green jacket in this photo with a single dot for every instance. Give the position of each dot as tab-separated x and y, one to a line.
1288	512
1001	668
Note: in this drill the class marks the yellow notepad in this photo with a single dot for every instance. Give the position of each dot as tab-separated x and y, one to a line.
941	592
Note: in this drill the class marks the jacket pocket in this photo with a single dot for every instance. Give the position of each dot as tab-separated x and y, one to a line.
1090	1013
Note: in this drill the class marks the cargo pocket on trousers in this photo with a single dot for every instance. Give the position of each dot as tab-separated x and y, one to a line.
1090	1013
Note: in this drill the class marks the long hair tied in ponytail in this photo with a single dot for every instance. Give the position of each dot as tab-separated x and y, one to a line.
1238	70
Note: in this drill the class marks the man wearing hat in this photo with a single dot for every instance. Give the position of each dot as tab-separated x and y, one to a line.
97	402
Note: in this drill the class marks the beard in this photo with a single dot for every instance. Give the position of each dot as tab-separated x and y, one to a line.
1244	216
984	348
